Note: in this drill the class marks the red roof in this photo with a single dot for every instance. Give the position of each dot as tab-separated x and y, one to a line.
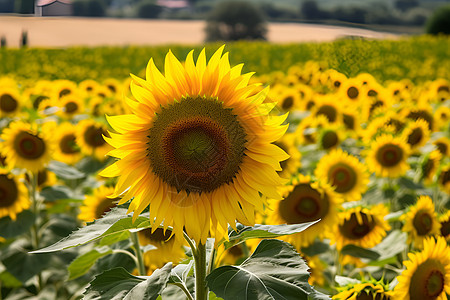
48	2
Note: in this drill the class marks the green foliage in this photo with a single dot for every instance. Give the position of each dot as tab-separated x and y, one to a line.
273	271
147	9
24	6
235	20
439	22
84	262
89	8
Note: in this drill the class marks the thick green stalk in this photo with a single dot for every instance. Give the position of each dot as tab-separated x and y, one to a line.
138	251
201	290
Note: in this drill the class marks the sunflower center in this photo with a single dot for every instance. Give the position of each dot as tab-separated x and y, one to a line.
370	296
196	144
67	144
38	100
389	155
352	92
64	92
372	93
423	222
328	111
94	136
355	230
415	137
349	121
236	251
337	83
444	177
71	107
8	191
157	237
304	204
287	103
29	146
343	177
421	114
445	228
428	281
442	147
329	139
8	103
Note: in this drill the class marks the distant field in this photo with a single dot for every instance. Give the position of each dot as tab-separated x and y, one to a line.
64	32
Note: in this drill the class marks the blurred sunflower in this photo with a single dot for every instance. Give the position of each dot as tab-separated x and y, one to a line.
429	166
444	220
26	147
365	291
345	173
168	248
361	226
234	255
96	205
44	178
316	269
387	156
113	85
197	149
90	138
416	113
66	149
444	178
350	90
331	136
442	117
70	106
443	145
416	134
427	274
306	201
288	100
421	221
88	85
13	195
10	102
62	88
308	128
291	165
328	107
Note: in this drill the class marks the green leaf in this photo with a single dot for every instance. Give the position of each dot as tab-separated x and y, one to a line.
113	222
360	252
408	183
390	246
9	281
274	271
56	192
180	272
65	171
213	296
114	238
263	232
316	248
84	262
118	284
10	228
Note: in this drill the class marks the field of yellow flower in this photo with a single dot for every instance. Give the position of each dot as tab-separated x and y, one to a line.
150	186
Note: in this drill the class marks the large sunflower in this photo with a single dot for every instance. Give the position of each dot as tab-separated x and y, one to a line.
421	221
197	149
96	205
344	172
26	147
306	201
427	274
387	156
361	226
13	195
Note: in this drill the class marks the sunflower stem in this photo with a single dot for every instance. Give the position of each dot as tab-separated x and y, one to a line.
137	249
35	228
201	290
184	289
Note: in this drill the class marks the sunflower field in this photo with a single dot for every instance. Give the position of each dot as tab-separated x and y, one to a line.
251	171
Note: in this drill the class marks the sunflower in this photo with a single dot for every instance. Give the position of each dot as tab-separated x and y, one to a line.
306	201
416	113
168	249
443	145
197	149
444	178
62	88
26	147
361	226
444	220
88	86
70	106
113	85
45	178
232	256
351	90
421	221
337	79
10	102
416	134
307	131
442	117
96	205
90	138
13	195
387	156
331	136
291	165
66	150
328	107
316	270
430	166
345	173
365	291
427	274
288	100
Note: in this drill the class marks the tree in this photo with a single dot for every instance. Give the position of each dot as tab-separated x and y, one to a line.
235	20
439	22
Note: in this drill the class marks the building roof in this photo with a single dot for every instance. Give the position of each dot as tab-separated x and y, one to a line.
48	2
